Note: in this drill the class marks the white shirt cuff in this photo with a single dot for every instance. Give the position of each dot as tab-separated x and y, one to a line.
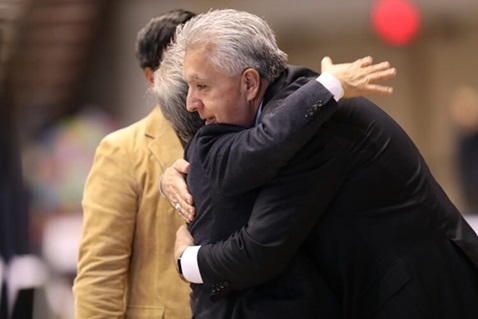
331	83
189	265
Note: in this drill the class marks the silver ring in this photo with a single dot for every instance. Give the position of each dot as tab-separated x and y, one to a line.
177	207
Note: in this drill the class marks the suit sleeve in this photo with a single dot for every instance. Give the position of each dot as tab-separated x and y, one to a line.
286	210
269	145
109	214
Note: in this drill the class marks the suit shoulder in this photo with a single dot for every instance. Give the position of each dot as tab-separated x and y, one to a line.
295	71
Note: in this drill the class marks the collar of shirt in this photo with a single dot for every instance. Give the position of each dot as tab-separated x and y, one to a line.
258	115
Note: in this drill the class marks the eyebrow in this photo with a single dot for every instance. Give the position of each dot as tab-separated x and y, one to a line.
194	77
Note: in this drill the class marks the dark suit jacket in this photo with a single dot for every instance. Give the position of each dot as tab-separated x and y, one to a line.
468	167
290	295
383	235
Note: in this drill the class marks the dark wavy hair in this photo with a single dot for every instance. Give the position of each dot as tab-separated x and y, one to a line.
153	39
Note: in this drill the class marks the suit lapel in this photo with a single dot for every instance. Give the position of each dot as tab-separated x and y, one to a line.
162	141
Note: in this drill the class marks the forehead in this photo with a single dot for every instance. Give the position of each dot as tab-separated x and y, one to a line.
193	59
197	65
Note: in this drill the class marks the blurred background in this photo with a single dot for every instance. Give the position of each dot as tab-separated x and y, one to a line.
68	76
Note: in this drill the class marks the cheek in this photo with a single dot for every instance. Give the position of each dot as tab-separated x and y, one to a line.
237	114
222	102
226	104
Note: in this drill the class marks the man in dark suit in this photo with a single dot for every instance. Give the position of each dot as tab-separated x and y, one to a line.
358	197
268	300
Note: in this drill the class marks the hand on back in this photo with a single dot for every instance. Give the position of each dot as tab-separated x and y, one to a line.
361	77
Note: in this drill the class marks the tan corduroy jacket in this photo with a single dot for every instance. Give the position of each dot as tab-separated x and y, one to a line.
126	265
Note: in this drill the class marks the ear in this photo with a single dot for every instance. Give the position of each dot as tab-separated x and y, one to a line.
149	75
252	81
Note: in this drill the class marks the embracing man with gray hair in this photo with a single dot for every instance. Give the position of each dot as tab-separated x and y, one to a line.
308	207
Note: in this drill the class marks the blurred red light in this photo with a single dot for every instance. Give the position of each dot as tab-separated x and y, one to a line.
397	22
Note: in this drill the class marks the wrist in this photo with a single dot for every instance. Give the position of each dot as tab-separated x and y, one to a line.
332	84
179	266
179	250
189	265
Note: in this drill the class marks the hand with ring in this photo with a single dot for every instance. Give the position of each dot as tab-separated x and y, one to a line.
173	185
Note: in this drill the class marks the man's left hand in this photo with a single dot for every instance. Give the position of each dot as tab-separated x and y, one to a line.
361	77
183	241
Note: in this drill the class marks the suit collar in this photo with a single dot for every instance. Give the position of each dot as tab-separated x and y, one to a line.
289	75
154	123
164	144
275	86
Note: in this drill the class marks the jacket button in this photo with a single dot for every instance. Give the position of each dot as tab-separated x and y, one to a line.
310	112
319	103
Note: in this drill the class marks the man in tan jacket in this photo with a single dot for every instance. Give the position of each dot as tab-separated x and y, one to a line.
126	266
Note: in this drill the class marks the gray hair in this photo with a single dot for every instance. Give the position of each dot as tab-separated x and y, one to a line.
171	91
237	40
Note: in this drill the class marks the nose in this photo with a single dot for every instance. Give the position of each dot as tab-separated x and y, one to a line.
192	102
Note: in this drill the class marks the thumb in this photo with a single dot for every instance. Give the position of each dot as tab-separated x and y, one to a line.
325	64
182	166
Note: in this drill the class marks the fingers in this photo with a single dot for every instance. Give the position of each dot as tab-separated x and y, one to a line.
379	89
379	73
379	67
182	201
361	76
365	78
325	63
184	210
181	165
379	76
365	61
173	184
